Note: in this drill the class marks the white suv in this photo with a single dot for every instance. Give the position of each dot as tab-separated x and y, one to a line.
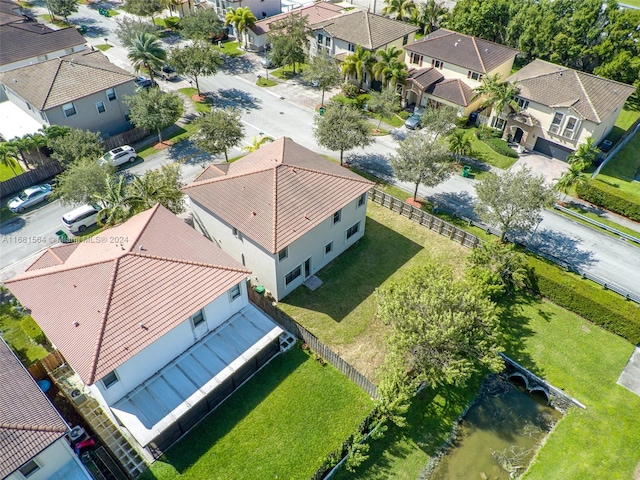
78	220
119	155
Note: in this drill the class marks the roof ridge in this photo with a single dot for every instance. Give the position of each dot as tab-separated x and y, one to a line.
331	174
53	80
275	209
103	326
464	97
65	268
586	95
367	17
55	255
189	262
144	226
475	45
223	177
32	428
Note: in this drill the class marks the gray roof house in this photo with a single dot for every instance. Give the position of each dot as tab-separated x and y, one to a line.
82	90
33	439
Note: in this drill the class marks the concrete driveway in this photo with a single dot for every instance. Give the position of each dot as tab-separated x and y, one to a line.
550	168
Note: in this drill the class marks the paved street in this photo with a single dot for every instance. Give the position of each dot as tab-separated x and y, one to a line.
287	109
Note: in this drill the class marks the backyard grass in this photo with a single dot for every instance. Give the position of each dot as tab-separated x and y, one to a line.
626	118
230	49
621	169
201	107
281	424
341	313
484	152
6	172
286	72
14	327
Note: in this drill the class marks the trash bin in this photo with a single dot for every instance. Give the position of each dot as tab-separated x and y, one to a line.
260	290
466	170
321	111
62	236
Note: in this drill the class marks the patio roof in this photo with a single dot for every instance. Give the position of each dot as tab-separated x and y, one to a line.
160	401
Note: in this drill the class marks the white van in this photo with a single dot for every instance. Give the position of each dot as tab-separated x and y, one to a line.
81	218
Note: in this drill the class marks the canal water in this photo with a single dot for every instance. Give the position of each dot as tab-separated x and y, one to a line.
499	434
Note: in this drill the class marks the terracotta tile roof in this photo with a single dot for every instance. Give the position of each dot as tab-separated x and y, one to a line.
53	256
213	171
278	193
315	13
367	29
62	80
463	50
453	90
424	77
23	40
152	270
28	421
594	98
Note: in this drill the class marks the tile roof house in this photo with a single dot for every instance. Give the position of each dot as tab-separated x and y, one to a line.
339	36
33	440
560	108
445	67
83	90
153	318
282	210
260	8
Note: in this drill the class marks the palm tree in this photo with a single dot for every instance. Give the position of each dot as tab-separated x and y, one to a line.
398	74
257	143
242	19
22	144
459	144
37	140
398	9
497	96
586	152
146	52
571	177
357	64
8	154
428	16
115	201
387	61
51	132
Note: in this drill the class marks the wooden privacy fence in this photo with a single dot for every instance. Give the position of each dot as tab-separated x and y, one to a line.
124	138
40	368
293	327
426	219
32	177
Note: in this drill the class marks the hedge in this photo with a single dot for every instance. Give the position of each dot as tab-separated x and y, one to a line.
500	146
608	197
600	306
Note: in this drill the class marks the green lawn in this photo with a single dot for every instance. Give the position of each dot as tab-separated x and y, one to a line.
621	169
103	47
281	424
201	107
626	118
484	152
6	172
263	82
230	49
286	72
14	327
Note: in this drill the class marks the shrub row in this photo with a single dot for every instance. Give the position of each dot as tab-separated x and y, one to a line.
610	198
500	146
600	306
356	102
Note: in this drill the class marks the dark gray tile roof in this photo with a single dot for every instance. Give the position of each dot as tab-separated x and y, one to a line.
366	29
424	77
28	421
595	98
62	80
466	51
453	90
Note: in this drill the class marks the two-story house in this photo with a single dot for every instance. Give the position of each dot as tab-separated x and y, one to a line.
83	90
33	441
260	8
559	108
446	66
339	36
153	318
283	211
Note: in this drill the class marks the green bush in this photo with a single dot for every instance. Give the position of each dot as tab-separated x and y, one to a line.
171	22
608	197
350	90
500	146
347	102
600	306
485	132
461	122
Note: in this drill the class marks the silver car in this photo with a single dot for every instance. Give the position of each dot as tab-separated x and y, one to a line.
29	197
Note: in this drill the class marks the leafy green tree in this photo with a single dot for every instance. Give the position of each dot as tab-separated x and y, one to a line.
242	19
162	186
428	16
154	109
115	201
219	131
203	24
422	160
513	200
289	39
146	52
388	67
358	63
64	8
129	28
75	146
496	95
82	181
439	121
8	155
324	71
257	143
384	104
499	267
459	144
398	9
144	8
443	330
341	128
196	60
486	19
532	28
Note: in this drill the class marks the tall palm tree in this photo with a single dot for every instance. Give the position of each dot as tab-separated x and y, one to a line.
586	152
242	19
257	143
386	60
146	52
571	177
428	16
8	155
37	140
459	144
51	132
398	9
22	145
398	74
358	63
496	95
115	201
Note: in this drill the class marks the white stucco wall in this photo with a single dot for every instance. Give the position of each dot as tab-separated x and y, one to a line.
50	460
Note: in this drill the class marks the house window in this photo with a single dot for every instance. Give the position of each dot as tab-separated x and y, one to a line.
337	217
100	107
499	123
437	64
415	59
234	292
282	254
474	76
69	109
197	319
362	199
405	40
327	41
111	94
292	275
110	379
351	47
29	468
522	103
353	230
320	38
556	122
234	231
570	128
328	248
